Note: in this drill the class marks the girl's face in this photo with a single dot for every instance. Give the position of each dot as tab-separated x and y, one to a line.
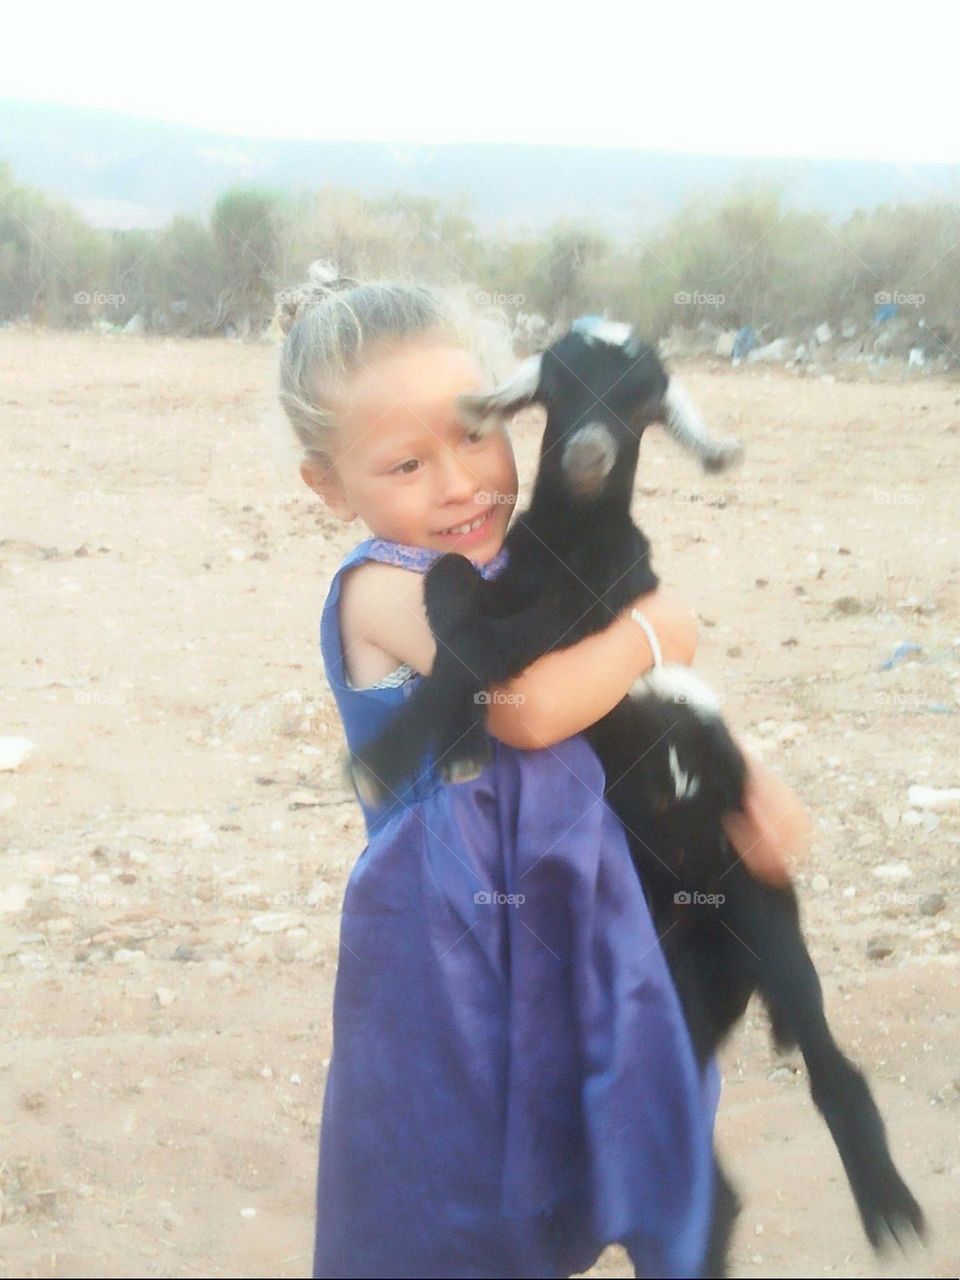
406	465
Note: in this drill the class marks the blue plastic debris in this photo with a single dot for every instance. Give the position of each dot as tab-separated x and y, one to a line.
744	341
886	311
902	651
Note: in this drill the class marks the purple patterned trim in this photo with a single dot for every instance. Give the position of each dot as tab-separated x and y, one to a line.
421	558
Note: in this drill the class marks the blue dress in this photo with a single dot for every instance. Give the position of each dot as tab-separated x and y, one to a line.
511	1086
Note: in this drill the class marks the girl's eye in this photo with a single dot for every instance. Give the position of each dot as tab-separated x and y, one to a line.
403	468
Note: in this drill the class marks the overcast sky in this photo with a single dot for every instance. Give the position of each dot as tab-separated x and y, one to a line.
795	78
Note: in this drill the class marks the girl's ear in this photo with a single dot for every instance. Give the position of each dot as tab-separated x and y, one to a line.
323	480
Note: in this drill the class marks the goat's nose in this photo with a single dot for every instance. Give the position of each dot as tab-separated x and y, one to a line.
588	458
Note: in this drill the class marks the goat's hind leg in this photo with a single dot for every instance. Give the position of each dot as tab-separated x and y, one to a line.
767	920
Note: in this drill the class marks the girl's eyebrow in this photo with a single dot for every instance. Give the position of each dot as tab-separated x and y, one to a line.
398	451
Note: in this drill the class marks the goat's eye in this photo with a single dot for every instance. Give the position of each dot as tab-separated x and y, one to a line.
475	435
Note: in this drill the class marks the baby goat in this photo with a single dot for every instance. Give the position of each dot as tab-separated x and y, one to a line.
575	559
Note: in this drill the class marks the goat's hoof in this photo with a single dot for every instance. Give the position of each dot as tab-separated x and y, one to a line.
894	1216
366	783
722	455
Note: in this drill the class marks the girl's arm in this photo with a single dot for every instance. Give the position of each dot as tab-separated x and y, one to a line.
560	694
566	691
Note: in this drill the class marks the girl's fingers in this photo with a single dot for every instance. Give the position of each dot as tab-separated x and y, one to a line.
773	829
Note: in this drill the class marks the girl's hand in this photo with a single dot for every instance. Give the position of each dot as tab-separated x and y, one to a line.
773	828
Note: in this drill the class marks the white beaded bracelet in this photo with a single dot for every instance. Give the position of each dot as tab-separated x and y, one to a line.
651	635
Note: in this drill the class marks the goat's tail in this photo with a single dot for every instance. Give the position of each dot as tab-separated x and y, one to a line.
790	988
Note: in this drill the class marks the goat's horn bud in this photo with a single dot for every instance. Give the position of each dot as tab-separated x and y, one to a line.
684	423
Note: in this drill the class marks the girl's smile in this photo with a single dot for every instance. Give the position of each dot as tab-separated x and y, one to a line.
406	463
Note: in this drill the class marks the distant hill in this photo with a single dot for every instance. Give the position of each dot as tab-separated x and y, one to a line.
122	170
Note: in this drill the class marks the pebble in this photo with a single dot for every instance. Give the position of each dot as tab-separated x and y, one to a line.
165	997
14	752
820	884
879	949
14	898
892	871
932	904
275	921
934	797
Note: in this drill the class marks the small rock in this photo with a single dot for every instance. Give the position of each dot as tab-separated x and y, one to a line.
846	605
932	904
934	797
782	1073
14	898
303	799
879	949
820	884
275	921
14	751
892	871
165	997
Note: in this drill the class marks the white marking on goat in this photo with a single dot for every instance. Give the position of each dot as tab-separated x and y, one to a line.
687	427
680	776
613	332
518	390
588	457
674	682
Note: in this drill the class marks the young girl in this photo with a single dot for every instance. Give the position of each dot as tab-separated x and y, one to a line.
512	1086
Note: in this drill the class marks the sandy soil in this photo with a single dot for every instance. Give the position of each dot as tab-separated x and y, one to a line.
175	851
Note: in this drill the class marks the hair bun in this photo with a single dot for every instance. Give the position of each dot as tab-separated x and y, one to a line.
323	280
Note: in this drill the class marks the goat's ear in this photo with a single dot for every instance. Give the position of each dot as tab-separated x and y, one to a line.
679	415
519	390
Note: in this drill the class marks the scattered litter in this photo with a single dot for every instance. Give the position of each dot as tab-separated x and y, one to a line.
934	797
902	651
14	751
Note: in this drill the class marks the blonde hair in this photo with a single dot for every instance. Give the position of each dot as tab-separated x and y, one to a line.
333	326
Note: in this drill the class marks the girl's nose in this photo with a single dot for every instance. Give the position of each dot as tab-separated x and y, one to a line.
459	483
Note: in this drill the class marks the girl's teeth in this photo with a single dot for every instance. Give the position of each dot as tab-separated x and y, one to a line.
467	528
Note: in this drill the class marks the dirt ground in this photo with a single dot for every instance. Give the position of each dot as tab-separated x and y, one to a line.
175	850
